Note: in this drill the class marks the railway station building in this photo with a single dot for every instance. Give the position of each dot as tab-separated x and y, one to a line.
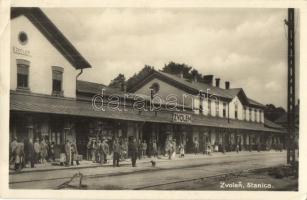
47	100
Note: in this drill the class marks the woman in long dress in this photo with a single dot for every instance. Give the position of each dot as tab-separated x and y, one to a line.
174	149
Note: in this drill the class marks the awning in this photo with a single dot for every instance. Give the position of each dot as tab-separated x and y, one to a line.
28	102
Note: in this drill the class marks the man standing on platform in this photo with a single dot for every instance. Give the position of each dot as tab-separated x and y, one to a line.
144	148
133	151
74	154
68	152
99	153
196	146
89	147
30	152
105	151
154	149
116	153
124	149
12	150
19	155
169	148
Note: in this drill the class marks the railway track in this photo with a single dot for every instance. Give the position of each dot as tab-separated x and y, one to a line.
236	173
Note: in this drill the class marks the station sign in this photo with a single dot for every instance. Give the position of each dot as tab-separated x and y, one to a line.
182	118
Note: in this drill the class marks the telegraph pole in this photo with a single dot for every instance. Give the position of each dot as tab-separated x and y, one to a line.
291	87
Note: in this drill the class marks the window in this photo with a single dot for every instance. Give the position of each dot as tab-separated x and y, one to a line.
224	109
23	74
209	107
201	110
255	115
57	79
250	114
236	111
244	113
260	116
217	108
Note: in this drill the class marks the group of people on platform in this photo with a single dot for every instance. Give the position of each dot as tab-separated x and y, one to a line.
69	154
23	152
121	149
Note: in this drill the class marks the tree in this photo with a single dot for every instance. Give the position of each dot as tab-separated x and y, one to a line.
187	71
147	69
176	68
272	112
119	82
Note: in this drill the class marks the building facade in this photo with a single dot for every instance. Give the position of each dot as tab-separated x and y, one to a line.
47	101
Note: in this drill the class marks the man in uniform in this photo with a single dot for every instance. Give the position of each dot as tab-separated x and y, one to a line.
133	151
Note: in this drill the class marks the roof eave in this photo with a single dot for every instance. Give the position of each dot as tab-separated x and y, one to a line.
57	39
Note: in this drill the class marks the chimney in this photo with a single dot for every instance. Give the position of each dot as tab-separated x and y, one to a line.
208	79
217	82
227	85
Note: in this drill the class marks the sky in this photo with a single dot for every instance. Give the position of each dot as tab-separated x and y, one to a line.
245	46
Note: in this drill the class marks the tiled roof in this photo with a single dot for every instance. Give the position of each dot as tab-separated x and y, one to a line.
92	88
71	107
89	87
227	93
212	90
203	86
255	103
96	88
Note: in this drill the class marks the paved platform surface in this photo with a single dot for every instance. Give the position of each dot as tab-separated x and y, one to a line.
50	176
54	166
